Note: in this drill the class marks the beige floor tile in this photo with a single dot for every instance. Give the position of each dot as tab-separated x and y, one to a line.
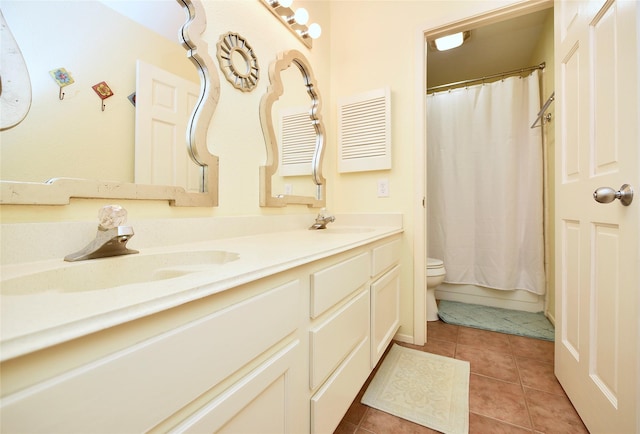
532	348
484	339
442	331
380	422
498	400
489	363
538	375
553	413
483	425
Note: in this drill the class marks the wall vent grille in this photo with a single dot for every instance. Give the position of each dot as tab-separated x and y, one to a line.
364	131
298	140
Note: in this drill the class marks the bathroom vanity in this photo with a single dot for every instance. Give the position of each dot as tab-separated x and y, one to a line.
278	337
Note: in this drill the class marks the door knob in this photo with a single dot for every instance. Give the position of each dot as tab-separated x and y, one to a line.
608	194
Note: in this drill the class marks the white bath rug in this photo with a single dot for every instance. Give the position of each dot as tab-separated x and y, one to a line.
425	388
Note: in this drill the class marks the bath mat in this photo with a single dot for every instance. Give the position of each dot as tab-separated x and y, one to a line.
424	388
514	322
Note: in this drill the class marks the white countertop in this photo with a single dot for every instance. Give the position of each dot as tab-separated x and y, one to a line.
39	320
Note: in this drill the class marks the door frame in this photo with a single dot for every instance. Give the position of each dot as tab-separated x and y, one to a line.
434	29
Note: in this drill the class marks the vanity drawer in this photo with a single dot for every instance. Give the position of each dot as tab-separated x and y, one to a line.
331	341
332	401
135	388
385	256
334	283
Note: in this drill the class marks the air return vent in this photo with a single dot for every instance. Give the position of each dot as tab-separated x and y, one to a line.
364	131
298	142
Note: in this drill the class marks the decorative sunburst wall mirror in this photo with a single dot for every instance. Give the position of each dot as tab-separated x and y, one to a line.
238	62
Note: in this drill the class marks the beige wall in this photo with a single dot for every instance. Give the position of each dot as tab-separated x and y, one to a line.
365	45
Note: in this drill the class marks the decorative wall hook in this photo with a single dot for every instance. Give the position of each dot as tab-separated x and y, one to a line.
103	90
62	77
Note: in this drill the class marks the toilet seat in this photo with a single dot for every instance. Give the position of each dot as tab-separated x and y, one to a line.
434	263
435	276
435	267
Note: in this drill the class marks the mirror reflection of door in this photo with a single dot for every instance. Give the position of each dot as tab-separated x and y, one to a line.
164	102
296	136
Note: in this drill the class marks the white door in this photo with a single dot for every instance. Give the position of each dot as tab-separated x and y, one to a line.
164	103
597	283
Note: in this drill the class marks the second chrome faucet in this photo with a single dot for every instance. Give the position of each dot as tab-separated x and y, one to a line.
322	220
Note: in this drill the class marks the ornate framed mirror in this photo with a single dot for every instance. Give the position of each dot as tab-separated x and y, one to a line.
294	135
60	188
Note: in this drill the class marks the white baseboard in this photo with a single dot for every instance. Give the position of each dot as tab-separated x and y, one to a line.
401	337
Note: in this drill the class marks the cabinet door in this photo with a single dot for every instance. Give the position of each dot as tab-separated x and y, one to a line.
385	312
261	402
332	400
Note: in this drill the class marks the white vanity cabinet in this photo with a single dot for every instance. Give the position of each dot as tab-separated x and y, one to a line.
286	353
245	355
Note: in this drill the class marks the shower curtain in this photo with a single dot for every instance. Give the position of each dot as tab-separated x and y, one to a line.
485	184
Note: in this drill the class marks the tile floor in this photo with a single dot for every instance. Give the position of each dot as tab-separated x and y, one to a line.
512	388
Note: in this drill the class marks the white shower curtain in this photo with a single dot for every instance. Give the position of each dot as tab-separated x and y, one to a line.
485	184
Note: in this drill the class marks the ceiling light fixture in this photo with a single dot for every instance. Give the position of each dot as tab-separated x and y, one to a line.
450	41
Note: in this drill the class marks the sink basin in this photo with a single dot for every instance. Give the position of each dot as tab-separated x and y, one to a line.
344	230
117	271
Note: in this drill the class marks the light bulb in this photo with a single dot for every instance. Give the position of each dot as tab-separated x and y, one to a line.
449	42
285	3
301	16
314	31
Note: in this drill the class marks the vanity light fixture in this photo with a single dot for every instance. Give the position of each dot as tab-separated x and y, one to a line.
294	19
450	41
314	31
301	16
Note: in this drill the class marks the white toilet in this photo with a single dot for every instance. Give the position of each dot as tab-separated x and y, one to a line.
435	276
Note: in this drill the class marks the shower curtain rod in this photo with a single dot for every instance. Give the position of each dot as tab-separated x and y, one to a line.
488	77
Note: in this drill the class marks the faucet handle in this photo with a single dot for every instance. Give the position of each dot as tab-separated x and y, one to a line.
111	216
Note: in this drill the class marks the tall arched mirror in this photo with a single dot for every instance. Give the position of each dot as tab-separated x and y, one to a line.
294	135
75	144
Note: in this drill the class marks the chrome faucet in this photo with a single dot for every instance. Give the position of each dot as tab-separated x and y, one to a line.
111	238
322	220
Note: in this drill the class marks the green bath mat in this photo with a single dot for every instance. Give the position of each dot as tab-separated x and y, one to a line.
514	322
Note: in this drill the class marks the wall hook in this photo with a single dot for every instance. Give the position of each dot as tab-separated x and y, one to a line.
62	77
103	91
